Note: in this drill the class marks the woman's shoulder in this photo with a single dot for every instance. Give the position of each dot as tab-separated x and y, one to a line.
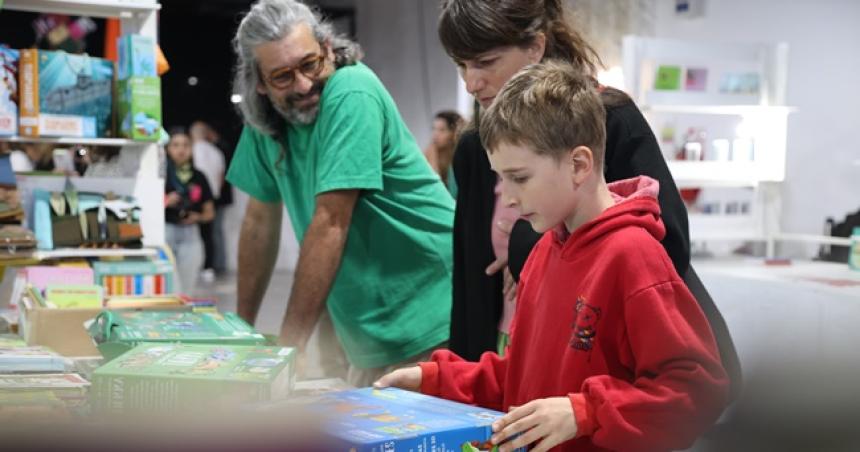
622	112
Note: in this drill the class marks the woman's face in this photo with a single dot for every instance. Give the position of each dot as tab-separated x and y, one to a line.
442	135
487	73
179	148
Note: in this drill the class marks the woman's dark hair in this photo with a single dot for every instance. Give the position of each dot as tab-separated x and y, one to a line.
469	28
178	130
452	119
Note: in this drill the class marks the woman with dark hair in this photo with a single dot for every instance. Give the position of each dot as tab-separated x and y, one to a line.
440	152
491	40
188	202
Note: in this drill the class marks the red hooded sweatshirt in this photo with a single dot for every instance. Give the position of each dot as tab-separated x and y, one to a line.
602	318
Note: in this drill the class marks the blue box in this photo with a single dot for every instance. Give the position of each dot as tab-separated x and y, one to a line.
62	94
136	57
390	420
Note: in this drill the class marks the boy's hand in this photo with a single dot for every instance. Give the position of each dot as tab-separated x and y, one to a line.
408	378
549	420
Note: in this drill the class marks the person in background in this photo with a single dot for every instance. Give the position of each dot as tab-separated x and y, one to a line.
187	203
490	40
440	151
209	160
596	361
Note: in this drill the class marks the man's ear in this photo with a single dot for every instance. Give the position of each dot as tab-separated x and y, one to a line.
581	160
261	89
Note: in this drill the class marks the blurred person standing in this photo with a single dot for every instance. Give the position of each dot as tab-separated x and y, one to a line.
209	160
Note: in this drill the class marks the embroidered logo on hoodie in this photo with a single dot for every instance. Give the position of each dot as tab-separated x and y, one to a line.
584	325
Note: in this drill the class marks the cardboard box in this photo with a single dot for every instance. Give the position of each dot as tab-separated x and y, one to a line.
65	86
392	419
164	379
62	330
136	57
117	332
140	108
8	91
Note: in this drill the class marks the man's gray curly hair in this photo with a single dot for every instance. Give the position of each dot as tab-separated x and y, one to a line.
268	21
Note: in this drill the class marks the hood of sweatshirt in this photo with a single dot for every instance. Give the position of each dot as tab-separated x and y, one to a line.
635	206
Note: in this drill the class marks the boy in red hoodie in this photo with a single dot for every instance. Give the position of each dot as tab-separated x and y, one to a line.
609	350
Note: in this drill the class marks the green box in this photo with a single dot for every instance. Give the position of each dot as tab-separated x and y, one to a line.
116	332
668	78
140	108
136	57
169	379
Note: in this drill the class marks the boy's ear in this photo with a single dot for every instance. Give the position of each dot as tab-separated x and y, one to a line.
581	160
537	48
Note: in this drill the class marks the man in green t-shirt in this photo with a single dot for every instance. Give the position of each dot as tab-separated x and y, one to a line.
324	138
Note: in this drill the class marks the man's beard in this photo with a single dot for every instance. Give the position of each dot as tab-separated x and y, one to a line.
296	115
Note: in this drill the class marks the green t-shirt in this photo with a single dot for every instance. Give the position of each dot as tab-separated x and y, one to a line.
391	298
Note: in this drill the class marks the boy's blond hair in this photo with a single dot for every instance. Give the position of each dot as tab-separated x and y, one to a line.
549	107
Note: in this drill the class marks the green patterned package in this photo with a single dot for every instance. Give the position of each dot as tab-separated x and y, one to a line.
116	332
191	379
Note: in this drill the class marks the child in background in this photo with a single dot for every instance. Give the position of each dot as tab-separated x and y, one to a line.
609	350
187	202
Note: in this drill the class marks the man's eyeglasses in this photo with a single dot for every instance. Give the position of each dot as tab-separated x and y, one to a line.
285	78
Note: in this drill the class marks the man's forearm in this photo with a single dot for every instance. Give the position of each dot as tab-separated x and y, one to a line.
319	260
259	242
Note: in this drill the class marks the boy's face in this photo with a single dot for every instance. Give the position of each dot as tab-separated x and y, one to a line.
542	188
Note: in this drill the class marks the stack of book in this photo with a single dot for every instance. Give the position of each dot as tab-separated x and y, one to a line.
35	359
134	277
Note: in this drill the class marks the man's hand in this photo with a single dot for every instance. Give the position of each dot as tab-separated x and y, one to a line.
408	378
550	421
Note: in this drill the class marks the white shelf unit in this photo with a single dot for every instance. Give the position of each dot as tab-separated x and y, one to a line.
94	8
759	117
64	253
116	142
141	162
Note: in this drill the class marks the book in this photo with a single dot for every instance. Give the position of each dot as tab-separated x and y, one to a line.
116	332
63	94
12	340
697	79
42	276
668	78
134	277
133	301
43	381
30	359
74	296
371	419
164	379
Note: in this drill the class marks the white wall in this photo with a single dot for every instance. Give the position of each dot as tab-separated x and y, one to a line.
823	157
401	46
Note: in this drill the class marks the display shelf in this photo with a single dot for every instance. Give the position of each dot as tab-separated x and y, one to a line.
689	174
93	8
724	227
736	98
116	142
740	110
141	163
65	253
